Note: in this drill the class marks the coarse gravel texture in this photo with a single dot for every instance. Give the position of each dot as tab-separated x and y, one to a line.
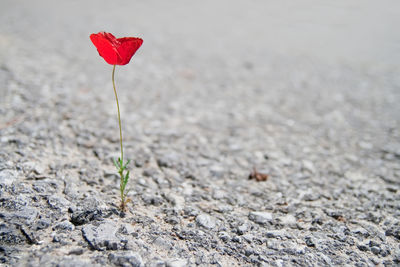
211	95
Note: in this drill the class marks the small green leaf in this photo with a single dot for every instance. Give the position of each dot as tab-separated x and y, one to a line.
126	178
123	188
127	162
124	182
115	163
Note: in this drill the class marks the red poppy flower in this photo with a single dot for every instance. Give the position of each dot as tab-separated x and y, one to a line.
115	51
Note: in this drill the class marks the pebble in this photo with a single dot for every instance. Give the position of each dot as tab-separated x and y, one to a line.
242	229
218	194
58	202
129	258
27	215
65	225
7	177
169	160
288	220
103	236
260	217
177	263
206	221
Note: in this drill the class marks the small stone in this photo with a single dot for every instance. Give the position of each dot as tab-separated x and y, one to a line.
35	167
71	261
176	200
58	202
248	252
288	220
372	243
78	251
385	251
275	234
43	224
394	231
27	214
396	256
126	259
206	221
309	166
191	211
375	250
242	229
362	247
162	243
223	208
85	216
237	239
218	194
168	160
151	172
260	217
172	220
7	177
217	171
249	238
103	237
65	225
311	196
354	176
224	236
365	145
310	241
361	231
10	235
152	200
177	263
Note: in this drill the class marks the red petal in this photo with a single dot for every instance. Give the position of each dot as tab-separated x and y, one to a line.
106	45
127	48
115	51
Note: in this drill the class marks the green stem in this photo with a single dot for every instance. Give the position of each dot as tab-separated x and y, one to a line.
119	119
121	162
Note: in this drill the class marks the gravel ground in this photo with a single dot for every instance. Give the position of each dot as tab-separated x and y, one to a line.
306	93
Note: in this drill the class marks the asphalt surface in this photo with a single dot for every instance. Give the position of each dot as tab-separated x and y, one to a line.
305	93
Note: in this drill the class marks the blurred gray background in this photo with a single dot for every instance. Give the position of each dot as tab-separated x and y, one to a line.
357	31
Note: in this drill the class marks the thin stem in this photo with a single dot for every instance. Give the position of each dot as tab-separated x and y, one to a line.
119	119
121	162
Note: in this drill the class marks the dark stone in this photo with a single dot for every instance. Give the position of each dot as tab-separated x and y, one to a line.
172	220
242	229
152	200
168	160
78	251
43	224
86	216
30	236
393	231
375	250
224	236
11	235
65	226
362	247
309	241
